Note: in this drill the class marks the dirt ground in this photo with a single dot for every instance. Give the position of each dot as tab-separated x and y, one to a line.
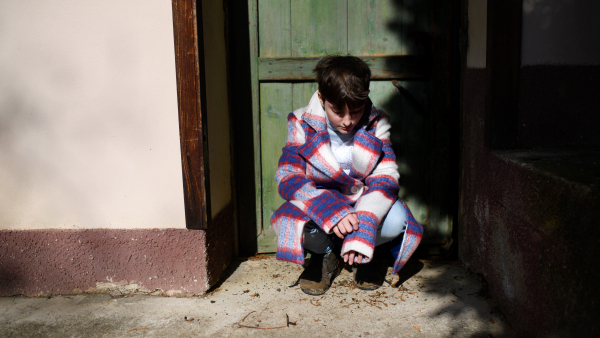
430	298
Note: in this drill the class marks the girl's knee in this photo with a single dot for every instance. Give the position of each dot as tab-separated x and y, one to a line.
315	239
394	224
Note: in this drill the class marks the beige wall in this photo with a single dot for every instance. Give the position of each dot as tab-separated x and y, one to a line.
88	115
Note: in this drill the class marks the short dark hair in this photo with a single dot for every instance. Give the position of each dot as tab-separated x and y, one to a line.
343	80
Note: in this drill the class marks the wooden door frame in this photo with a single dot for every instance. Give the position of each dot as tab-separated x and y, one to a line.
191	99
253	23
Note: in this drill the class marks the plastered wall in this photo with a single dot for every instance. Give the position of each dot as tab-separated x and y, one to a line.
563	32
88	115
527	221
560	74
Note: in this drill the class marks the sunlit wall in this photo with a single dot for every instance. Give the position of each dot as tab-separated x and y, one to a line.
88	115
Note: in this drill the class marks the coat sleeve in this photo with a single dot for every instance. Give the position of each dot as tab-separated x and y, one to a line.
382	192
321	205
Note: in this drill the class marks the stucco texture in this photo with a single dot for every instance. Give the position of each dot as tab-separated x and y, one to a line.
34	262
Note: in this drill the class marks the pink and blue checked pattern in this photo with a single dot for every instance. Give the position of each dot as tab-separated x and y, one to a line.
316	188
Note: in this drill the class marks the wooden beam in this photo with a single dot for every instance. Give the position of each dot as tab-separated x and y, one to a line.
253	23
189	64
382	68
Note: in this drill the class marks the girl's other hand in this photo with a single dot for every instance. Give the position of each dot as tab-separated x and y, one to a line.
353	256
346	225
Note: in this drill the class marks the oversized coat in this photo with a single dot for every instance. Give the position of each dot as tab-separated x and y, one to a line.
316	188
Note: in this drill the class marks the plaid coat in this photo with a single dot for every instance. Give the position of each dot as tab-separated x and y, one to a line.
315	187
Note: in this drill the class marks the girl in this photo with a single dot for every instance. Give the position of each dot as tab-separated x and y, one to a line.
339	176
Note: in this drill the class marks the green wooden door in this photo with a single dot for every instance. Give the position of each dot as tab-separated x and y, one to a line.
287	39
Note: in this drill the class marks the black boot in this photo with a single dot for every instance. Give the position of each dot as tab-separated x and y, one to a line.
319	273
368	276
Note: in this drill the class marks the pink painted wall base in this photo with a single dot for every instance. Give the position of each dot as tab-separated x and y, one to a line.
44	262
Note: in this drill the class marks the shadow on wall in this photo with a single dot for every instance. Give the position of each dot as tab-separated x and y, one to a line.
421	126
31	175
240	107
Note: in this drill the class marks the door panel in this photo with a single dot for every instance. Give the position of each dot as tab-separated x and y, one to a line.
275	105
319	27
368	33
391	34
274	28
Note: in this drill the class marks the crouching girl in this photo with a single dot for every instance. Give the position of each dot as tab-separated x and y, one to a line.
339	176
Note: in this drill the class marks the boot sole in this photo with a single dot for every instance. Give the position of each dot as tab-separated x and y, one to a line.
318	292
366	288
314	292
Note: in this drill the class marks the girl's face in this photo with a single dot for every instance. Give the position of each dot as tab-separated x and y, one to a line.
344	120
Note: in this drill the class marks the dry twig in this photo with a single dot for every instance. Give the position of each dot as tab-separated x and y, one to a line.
287	324
247	316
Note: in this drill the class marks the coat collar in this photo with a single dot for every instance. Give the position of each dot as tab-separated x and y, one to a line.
317	150
314	114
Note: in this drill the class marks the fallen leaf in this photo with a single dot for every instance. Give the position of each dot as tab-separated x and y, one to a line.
349	304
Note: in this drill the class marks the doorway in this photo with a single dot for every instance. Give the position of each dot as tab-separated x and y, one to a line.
407	45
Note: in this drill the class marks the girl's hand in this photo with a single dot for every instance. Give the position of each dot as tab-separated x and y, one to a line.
346	225
353	256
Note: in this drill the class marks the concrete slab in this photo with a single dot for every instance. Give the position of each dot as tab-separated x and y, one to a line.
436	299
